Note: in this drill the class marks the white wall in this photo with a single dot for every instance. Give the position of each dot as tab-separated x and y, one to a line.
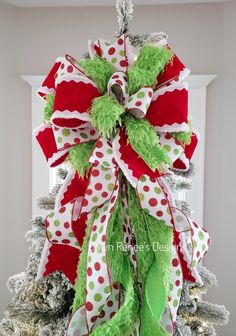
202	35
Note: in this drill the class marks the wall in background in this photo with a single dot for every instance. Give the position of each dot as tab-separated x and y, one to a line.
31	39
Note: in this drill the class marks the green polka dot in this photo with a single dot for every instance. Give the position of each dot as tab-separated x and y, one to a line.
101	229
56	222
141	94
71	234
146	210
95	199
109	151
51	214
107	289
141	197
179	292
77	244
99	249
178	273
171	287
122	53
147	106
49	234
91	285
89	259
96	216
201	235
107	44
126	89
114	60
157	190
94	237
106	164
167	148
203	247
194	263
108	176
175	303
105	168
59	139
105	208
66	132
104	259
143	178
168	211
194	244
84	135
130	99
97	297
117	296
176	151
111	186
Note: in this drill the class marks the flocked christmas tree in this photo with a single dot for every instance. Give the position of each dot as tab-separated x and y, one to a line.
43	306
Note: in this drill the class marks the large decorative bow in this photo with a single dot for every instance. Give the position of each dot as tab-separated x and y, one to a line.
107	156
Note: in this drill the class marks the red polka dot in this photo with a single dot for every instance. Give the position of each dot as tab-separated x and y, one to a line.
104	238
177	283
198	254
100	280
98	186
152	202
65	241
111	51
94	228
89	271
97	266
89	306
95	172
134	257
103	218
159	213
54	241
150	93
56	128
167	136
109	303
112	314
164	201
175	262
196	226
113	199
102	314
89	192
115	76
92	132
85	202
70	68
93	319
99	144
123	63
119	82
47	223
120	41
116	285
104	194
62	66
138	103
77	140
146	188
99	154
58	233
62	210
